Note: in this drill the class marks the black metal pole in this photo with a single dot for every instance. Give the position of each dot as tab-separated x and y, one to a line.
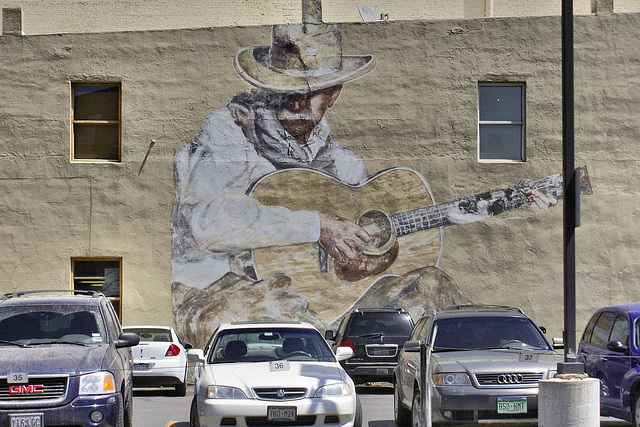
569	200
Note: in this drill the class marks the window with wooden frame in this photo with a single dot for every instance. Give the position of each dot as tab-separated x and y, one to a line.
96	122
99	274
501	122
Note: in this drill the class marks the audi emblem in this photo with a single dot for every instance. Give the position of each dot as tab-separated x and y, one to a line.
510	379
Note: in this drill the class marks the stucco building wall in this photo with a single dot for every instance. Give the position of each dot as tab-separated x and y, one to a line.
418	110
62	16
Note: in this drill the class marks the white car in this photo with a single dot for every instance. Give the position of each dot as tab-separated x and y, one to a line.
160	359
271	373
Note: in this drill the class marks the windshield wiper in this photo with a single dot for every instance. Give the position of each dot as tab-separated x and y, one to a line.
19	344
444	349
372	335
60	342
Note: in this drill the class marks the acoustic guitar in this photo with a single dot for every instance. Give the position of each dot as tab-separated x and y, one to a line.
395	206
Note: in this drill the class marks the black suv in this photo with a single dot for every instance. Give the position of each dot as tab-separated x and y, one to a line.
376	336
64	360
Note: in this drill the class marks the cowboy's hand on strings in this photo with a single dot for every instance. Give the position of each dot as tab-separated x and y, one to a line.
538	200
343	239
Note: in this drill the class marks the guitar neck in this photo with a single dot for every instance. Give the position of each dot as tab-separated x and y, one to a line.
471	209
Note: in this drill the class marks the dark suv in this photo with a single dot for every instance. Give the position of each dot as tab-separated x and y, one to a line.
64	361
376	336
610	351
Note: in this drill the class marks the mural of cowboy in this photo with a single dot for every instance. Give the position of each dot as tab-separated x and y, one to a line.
219	224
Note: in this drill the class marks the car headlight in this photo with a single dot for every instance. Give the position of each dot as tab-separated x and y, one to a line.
333	390
451	378
223	392
97	383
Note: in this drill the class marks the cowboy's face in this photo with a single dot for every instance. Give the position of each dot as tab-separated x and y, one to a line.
302	112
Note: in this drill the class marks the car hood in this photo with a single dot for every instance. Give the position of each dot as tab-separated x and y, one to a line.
56	358
300	374
495	361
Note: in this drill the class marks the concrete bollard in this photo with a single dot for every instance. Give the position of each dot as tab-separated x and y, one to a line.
569	400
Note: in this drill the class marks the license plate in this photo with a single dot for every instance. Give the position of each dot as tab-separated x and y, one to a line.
26	420
281	413
141	367
512	405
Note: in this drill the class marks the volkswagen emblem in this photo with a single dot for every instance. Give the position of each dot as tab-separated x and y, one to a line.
280	393
510	379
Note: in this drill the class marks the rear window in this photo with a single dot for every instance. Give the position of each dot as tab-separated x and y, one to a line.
152	334
386	323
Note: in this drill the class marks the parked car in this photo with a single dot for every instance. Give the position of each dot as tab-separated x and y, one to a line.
160	359
64	361
485	365
256	373
376	336
610	351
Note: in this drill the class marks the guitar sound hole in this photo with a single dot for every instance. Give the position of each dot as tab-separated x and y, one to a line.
378	225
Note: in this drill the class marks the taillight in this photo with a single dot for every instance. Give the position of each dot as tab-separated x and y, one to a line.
347	344
174	350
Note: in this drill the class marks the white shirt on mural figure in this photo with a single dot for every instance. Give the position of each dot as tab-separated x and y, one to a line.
214	218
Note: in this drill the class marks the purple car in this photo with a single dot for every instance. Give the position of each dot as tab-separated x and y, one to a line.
610	351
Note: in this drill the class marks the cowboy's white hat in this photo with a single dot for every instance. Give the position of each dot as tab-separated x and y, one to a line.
302	57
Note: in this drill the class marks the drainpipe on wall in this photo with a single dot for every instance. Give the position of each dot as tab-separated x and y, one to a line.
488	8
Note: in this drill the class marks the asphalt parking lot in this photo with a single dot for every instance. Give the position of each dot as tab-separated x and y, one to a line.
159	408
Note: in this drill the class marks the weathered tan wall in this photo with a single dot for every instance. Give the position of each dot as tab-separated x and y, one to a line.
418	109
62	16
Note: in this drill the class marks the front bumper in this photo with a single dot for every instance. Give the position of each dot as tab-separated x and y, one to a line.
370	372
469	404
338	411
77	412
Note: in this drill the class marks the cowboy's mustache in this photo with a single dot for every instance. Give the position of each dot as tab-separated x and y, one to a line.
286	115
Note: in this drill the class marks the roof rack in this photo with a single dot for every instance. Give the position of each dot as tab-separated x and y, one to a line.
488	307
46	291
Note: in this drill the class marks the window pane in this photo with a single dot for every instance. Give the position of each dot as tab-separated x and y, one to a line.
500	103
96	142
501	142
600	335
95	102
101	276
620	330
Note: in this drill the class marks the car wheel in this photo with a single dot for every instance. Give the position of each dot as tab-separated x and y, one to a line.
635	410
357	419
128	413
180	389
416	410
194	417
401	415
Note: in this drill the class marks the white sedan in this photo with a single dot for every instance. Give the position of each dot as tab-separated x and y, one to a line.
272	374
160	359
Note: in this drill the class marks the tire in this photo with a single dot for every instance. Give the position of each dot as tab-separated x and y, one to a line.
194	417
416	410
128	413
357	418
401	415
180	389
635	410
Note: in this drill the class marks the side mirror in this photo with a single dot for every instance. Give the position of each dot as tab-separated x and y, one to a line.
329	336
558	343
617	346
412	346
195	355
127	339
343	353
187	346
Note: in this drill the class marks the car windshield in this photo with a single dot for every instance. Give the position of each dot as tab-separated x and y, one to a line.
385	323
484	332
268	344
52	324
152	334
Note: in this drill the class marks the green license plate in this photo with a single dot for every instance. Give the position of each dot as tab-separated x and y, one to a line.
512	405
